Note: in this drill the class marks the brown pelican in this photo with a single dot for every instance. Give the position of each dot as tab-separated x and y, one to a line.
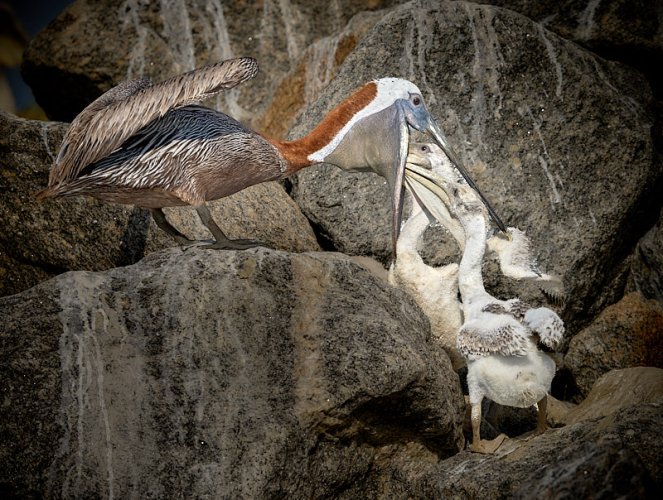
150	145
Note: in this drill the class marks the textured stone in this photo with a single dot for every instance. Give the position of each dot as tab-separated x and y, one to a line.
624	30
317	66
221	374
544	126
93	45
626	334
617	389
618	456
41	240
646	264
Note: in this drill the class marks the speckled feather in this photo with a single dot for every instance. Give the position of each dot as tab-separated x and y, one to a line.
177	157
118	114
493	334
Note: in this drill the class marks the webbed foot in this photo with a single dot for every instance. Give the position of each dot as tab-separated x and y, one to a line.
486	446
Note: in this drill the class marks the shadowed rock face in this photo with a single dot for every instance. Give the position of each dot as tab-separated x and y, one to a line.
610	457
626	334
217	373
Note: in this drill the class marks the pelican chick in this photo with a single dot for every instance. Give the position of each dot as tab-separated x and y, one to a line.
498	338
435	289
427	168
514	253
150	145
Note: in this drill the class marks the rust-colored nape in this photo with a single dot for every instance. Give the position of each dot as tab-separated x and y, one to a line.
296	152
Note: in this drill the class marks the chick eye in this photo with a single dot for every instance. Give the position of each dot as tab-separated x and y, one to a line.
424	148
416	100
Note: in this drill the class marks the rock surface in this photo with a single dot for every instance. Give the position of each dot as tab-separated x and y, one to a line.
623	30
626	334
41	240
646	265
618	389
613	457
94	45
544	140
267	374
249	374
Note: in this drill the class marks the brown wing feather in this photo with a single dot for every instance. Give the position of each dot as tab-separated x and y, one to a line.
122	111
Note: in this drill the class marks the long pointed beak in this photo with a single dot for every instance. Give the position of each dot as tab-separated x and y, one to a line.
433	130
395	179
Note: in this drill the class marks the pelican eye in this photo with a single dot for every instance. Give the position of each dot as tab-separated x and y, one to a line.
416	100
424	148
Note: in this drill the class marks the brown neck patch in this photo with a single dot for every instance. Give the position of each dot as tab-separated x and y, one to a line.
296	152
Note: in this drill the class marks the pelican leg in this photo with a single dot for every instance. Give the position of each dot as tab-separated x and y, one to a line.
542	415
161	221
482	445
222	242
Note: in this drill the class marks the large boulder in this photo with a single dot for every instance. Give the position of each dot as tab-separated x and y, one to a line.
623	30
550	132
617	456
93	45
626	334
39	241
618	389
220	374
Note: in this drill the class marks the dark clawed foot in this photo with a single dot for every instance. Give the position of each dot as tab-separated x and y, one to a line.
234	244
488	447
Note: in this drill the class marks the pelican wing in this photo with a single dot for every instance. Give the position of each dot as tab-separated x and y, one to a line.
514	252
547	324
493	334
119	113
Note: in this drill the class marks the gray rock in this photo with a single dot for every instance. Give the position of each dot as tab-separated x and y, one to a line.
618	456
646	264
223	374
617	389
93	45
316	67
623	30
544	127
626	334
39	241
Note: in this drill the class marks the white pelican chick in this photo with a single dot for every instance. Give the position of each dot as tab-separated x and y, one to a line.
499	338
428	167
434	288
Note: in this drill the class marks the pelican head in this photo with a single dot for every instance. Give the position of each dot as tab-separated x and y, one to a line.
371	131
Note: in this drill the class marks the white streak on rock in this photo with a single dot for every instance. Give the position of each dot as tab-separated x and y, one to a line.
553	59
83	410
218	40
177	32
586	20
289	16
128	12
544	159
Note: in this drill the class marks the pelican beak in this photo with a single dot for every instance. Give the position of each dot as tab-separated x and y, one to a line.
433	130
